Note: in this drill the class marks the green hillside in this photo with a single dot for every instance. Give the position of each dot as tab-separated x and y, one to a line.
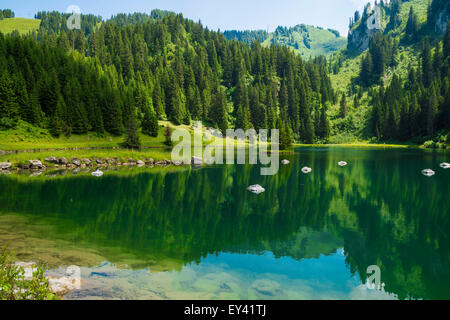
22	25
308	41
375	57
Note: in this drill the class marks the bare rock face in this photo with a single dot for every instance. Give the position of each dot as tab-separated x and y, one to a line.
442	19
36	164
359	37
5	165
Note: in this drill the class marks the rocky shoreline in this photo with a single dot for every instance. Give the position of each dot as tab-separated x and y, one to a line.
84	163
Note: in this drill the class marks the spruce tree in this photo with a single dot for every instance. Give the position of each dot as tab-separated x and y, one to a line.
343	105
132	140
150	125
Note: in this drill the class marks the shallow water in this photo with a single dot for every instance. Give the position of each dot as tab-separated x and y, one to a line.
199	234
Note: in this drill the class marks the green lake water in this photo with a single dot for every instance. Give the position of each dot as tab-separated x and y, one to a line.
181	233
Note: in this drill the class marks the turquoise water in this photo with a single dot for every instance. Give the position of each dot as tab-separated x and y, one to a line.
199	234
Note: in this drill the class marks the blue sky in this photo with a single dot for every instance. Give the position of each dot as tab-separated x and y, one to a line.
223	15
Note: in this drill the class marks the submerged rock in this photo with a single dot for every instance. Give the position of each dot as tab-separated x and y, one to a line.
257	189
428	172
97	173
445	165
306	170
285	162
267	287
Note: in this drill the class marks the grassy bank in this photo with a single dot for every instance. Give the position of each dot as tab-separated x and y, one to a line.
22	25
360	145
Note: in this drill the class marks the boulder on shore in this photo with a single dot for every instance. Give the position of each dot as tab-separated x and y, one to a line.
76	162
5	165
52	160
140	163
86	161
63	161
197	161
35	164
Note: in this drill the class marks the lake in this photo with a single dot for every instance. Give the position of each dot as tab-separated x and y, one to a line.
185	233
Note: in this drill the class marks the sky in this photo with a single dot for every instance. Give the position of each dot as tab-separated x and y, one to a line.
223	15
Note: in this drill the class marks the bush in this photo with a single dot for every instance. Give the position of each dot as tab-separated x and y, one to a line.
14	285
168	137
434	145
7	123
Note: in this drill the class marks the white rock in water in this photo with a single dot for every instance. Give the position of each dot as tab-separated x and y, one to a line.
285	162
428	172
306	170
445	165
197	161
97	173
256	189
342	163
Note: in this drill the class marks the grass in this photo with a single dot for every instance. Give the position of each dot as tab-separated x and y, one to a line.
360	145
27	137
23	25
322	41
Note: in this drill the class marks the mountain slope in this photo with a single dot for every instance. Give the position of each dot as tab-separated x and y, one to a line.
392	82
23	25
308	41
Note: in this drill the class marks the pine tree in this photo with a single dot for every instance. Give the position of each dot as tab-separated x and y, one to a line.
168	137
285	132
343	104
427	66
366	69
431	110
132	140
150	125
218	113
324	125
412	26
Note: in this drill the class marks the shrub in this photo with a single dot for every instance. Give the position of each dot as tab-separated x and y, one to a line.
7	123
15	286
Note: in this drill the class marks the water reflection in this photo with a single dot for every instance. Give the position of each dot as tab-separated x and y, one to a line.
378	208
